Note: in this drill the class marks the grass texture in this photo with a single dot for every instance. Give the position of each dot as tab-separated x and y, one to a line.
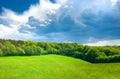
55	67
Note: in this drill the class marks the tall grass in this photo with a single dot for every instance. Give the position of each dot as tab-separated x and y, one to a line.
55	67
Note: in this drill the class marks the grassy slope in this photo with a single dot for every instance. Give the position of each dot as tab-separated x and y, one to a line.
55	67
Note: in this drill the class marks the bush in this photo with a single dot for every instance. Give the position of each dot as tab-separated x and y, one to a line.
1	52
88	53
78	54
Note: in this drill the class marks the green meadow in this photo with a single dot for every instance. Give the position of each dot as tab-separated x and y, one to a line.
55	67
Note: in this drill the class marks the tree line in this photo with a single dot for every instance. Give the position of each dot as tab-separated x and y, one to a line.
93	54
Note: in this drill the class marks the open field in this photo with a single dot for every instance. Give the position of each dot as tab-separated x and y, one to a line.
55	67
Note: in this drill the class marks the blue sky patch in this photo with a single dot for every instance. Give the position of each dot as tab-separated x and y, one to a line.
18	6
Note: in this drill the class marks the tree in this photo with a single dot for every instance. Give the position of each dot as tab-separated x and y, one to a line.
9	48
1	45
41	51
92	54
1	52
78	54
51	50
20	51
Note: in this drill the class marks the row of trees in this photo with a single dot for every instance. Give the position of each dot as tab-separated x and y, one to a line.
94	54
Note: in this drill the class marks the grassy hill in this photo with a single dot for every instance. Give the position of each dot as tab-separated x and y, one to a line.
55	67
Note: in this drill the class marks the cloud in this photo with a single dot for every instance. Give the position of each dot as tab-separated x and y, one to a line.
78	21
105	43
12	33
17	26
39	11
114	2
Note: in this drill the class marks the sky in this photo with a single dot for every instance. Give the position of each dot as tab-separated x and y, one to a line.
90	22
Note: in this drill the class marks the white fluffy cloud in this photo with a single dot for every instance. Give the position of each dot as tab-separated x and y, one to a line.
22	26
105	43
12	33
114	2
16	21
38	11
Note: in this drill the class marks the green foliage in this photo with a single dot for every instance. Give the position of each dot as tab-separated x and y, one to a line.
78	54
91	54
108	59
94	54
1	52
9	48
20	51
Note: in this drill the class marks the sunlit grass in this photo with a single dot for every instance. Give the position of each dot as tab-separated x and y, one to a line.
55	67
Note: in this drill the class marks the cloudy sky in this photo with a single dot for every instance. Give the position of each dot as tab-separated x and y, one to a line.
92	22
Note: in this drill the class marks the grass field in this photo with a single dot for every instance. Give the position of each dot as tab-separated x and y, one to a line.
55	67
